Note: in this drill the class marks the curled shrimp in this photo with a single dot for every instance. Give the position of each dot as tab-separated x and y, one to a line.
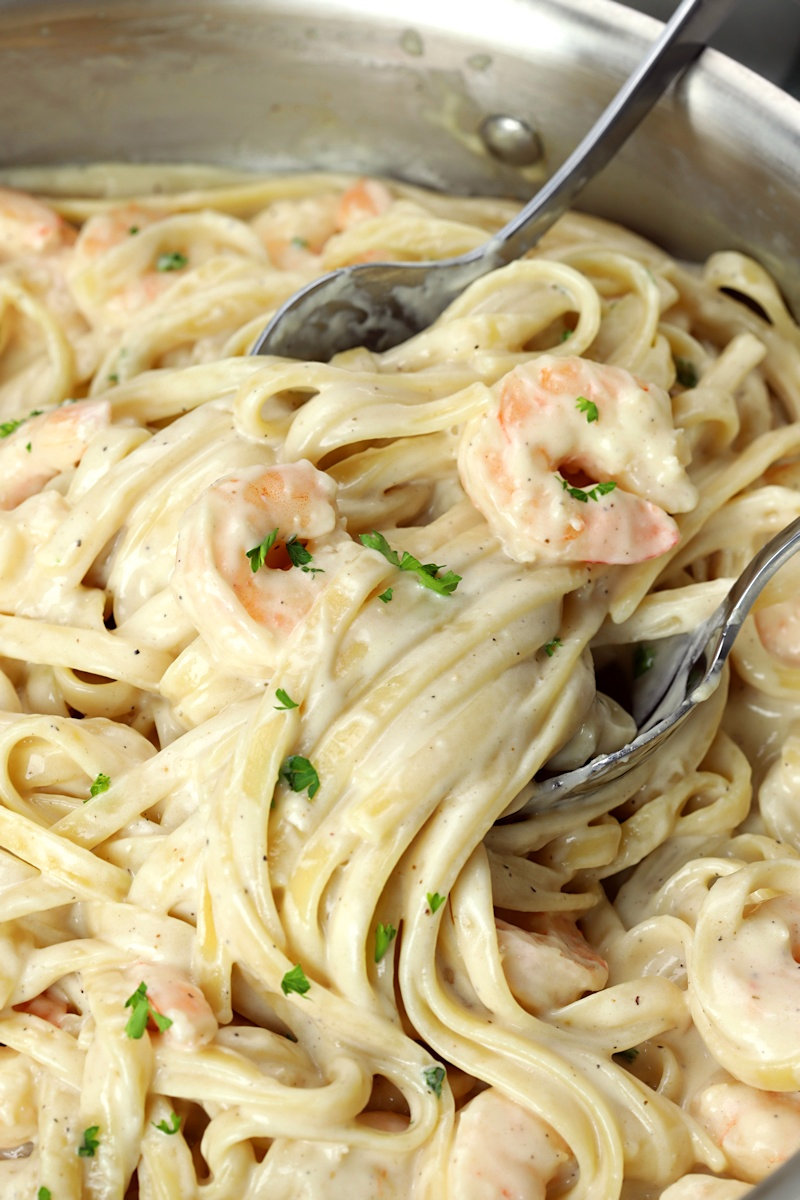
27	225
241	602
46	444
757	1130
171	994
295	232
502	1149
48	1006
576	461
365	199
550	963
103	231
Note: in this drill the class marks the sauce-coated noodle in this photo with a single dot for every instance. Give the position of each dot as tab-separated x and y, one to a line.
279	644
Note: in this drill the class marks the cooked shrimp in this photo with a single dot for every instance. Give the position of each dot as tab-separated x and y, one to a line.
102	289
240	601
757	1130
576	461
550	963
501	1149
48	1006
705	1187
46	444
366	198
26	225
173	995
104	231
295	231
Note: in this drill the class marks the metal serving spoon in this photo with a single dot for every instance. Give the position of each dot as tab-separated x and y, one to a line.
685	670
379	305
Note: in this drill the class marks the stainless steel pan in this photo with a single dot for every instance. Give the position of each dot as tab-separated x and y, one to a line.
344	84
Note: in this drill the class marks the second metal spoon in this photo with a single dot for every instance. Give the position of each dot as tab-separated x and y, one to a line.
685	671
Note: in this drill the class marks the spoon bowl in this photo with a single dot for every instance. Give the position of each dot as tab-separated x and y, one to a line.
686	670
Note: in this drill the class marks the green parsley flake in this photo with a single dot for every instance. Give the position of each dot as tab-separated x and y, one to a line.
300	556
588	408
141	1012
629	1055
8	427
28	447
434	1078
435	901
427	573
285	699
686	373
101	784
90	1142
300	243
44	1193
258	555
173	1126
387	595
172	260
298	773
551	646
643	658
567	334
134	229
599	489
384	935
295	981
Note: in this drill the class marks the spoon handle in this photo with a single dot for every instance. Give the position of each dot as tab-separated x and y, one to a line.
681	41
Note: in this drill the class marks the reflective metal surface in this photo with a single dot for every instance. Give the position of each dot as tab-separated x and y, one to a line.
288	84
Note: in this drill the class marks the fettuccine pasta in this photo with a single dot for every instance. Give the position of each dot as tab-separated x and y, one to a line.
284	646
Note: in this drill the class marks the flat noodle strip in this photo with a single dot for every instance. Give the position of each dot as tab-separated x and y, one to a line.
282	642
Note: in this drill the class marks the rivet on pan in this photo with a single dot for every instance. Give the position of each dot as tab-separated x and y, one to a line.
511	140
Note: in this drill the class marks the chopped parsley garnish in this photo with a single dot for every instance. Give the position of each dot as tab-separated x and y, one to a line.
599	489
300	775
44	1193
295	981
8	427
643	658
434	1078
258	555
28	447
435	901
101	784
387	595
285	699
384	935
141	1012
686	373
300	556
172	1127
90	1142
172	260
300	242
113	377
551	646
588	408
567	334
628	1055
427	573
133	229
